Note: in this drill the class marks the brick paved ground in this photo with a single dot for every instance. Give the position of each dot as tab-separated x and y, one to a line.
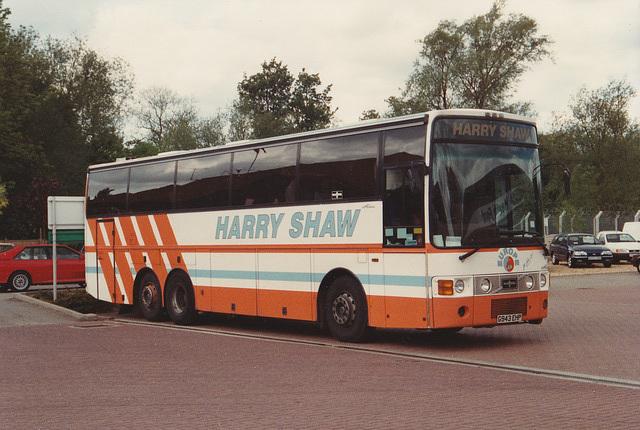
106	374
122	376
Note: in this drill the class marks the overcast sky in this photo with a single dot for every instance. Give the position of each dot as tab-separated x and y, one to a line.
365	48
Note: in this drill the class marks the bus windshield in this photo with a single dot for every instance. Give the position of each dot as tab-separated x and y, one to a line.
484	195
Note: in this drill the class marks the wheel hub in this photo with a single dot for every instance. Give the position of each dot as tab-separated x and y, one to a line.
343	309
20	282
179	299
149	296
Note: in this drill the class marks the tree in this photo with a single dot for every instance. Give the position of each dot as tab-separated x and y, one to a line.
369	114
61	107
19	90
264	98
3	197
474	65
172	122
601	144
96	89
273	102
310	109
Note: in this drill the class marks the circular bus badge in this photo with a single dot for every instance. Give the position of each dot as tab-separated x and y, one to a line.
508	259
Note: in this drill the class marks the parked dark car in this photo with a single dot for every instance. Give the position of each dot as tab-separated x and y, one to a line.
26	265
636	262
579	249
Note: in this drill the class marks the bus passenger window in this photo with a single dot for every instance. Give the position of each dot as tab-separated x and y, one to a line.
264	176
203	182
339	168
107	192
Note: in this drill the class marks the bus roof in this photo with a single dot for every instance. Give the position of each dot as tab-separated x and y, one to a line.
363	126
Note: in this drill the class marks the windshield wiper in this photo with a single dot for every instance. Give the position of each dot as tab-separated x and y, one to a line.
468	254
530	234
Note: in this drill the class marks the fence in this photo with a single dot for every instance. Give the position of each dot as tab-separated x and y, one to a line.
587	221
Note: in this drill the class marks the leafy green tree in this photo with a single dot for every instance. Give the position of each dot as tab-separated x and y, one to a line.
310	109
20	87
61	107
95	88
273	102
138	148
3	197
369	114
264	98
473	65
601	144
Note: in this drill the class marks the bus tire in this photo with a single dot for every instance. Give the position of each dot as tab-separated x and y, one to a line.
180	299
150	297
346	310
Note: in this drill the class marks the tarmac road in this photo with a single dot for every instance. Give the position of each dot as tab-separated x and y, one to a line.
579	369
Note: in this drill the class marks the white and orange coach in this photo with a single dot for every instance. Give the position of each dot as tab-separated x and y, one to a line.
428	221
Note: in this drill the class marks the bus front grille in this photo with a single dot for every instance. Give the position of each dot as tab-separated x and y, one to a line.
516	305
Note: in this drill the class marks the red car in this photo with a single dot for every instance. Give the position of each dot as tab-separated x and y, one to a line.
24	265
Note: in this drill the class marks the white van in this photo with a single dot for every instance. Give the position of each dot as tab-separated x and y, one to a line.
633	228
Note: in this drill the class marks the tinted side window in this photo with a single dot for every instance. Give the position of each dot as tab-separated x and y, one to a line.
107	192
340	168
151	187
265	175
404	145
203	182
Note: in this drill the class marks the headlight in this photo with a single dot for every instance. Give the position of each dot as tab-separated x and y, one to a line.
485	285
529	282
543	281
606	253
580	254
459	286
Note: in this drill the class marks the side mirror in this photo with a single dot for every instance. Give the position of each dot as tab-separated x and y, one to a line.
416	173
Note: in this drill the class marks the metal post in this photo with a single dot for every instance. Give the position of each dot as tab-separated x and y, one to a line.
55	250
636	218
617	218
596	223
560	221
546	225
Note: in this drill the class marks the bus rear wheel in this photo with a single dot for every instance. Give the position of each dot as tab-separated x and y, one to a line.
150	297
181	304
346	310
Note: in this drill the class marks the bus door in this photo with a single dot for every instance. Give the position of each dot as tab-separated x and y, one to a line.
105	267
404	240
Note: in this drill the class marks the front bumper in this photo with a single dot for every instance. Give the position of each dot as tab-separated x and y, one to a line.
479	311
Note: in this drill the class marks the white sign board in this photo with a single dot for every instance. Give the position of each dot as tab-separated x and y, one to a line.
66	212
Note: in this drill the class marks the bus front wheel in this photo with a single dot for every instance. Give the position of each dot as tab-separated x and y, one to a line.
181	303
346	310
150	297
